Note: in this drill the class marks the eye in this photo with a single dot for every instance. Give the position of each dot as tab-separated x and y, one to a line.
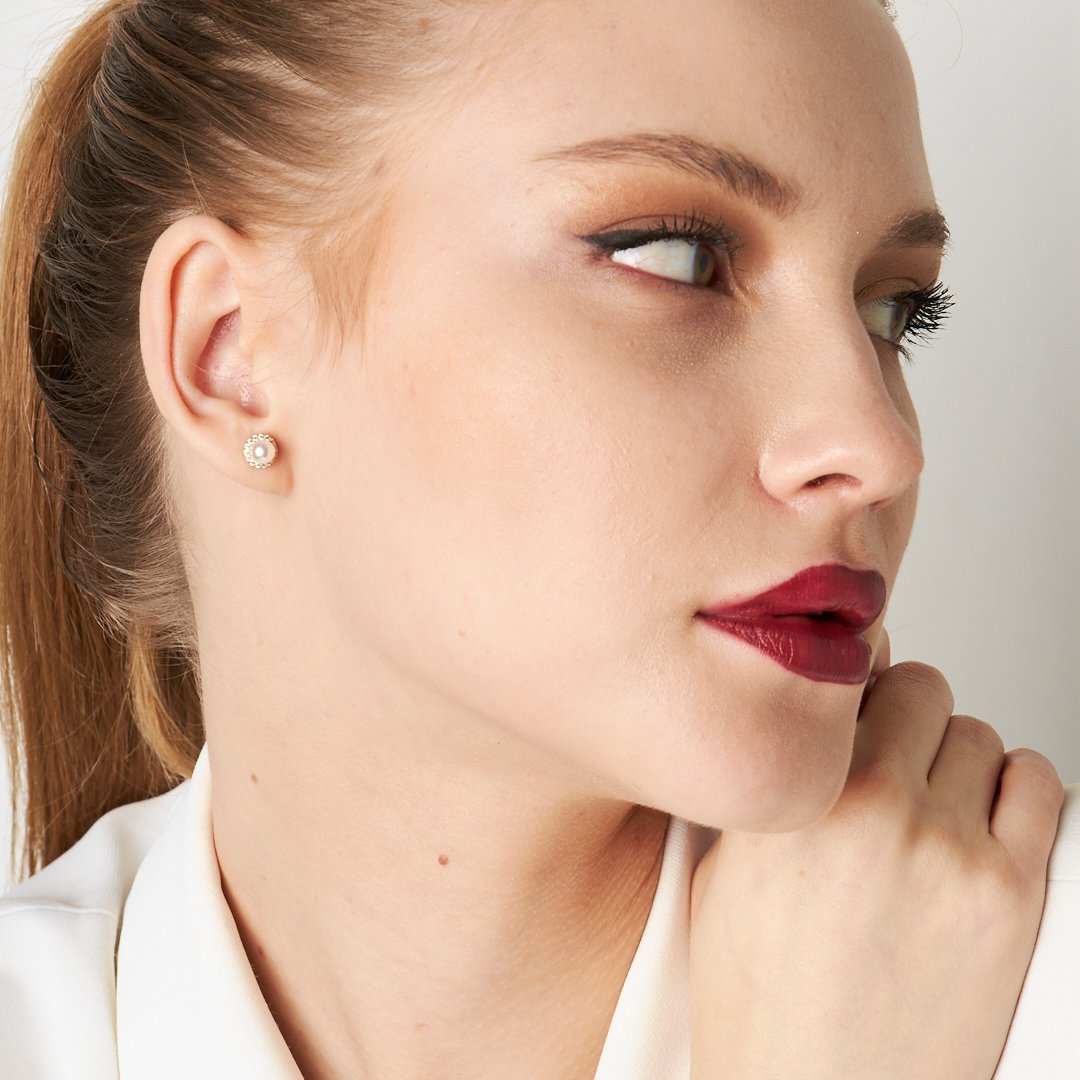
912	316
693	263
888	318
686	250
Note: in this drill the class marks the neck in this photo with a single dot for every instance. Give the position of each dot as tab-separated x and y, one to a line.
412	910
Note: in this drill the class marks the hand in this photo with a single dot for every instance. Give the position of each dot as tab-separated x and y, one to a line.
889	940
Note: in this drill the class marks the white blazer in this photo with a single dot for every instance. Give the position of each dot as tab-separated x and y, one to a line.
120	960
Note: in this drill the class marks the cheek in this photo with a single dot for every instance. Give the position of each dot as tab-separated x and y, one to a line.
495	500
557	450
899	518
901	395
481	432
523	494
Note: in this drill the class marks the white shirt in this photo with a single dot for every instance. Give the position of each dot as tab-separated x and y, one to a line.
120	960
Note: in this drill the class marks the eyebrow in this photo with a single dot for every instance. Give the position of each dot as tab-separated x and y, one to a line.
738	173
742	176
921	228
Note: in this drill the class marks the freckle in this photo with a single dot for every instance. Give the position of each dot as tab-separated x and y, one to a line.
420	1024
802	873
444	859
254	778
461	633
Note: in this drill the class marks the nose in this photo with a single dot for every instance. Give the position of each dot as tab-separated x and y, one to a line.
837	428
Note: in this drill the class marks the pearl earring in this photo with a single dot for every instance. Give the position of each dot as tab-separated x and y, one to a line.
260	451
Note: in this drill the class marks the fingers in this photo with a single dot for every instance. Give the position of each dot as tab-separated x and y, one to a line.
903	721
907	729
1028	806
965	773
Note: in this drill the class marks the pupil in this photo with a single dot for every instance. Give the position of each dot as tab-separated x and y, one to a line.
703	266
901	315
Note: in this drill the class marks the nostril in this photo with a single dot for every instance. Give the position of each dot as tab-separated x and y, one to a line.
821	481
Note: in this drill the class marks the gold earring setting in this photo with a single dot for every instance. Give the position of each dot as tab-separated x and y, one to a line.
260	451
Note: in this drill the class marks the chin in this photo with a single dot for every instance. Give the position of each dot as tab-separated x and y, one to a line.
777	788
790	813
770	810
771	749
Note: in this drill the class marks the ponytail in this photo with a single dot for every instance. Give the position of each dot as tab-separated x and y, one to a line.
84	721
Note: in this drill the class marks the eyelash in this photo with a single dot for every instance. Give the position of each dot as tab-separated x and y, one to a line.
694	229
931	304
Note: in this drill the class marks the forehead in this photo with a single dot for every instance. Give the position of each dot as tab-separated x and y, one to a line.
819	90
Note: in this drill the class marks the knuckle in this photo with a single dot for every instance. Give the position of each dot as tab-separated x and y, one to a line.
997	890
1040	778
979	733
1000	889
920	680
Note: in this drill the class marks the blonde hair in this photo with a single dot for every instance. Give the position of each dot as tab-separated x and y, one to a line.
254	111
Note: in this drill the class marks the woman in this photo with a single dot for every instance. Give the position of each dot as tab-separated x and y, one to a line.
484	425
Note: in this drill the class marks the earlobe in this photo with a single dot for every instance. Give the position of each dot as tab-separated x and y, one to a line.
195	306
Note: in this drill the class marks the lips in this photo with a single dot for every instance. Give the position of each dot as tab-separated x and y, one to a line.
812	623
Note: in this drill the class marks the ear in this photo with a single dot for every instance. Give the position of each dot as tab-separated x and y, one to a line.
200	310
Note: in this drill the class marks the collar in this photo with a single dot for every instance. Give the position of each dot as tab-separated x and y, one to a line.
649	1035
188	1003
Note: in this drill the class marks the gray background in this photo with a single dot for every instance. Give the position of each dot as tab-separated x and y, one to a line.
990	585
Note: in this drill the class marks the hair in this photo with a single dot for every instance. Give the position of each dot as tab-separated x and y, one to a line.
262	114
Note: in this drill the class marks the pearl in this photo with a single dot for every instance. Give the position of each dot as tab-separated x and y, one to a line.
260	451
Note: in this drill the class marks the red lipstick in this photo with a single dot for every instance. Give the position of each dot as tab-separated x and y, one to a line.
811	624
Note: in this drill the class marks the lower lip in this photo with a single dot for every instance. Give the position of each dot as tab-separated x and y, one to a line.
819	651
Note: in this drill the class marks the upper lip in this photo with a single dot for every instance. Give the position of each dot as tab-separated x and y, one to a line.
852	598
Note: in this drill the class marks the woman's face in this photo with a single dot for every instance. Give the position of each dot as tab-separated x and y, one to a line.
536	462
